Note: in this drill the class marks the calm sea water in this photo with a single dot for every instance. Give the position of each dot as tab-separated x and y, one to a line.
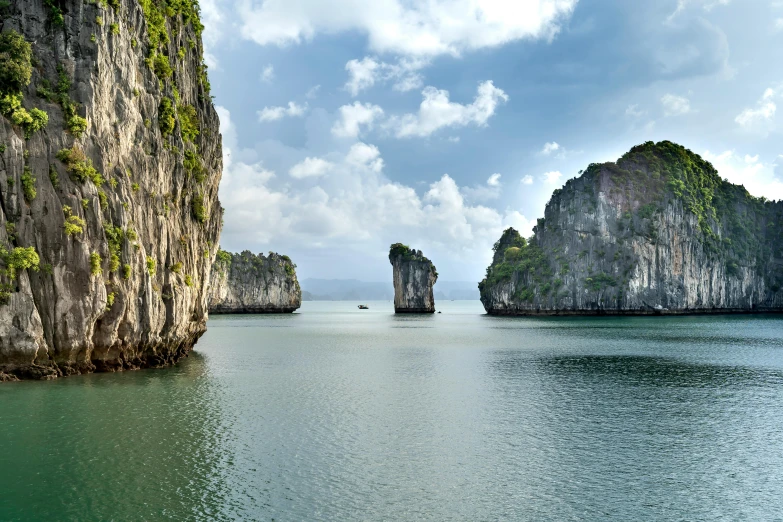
339	414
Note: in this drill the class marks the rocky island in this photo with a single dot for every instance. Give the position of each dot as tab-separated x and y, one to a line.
657	232
414	277
249	284
111	159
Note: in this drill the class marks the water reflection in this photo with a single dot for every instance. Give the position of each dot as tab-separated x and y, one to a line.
158	437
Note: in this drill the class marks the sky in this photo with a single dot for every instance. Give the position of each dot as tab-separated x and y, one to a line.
350	125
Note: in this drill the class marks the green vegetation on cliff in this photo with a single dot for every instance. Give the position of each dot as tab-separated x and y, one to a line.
408	254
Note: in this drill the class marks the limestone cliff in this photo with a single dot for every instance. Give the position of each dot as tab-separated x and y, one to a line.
111	158
658	231
248	284
414	277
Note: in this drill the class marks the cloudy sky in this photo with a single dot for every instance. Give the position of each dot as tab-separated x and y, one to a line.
352	124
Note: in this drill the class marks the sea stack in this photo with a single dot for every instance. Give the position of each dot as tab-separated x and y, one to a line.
253	284
109	213
657	232
414	277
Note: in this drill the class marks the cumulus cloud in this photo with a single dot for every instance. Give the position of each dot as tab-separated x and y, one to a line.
354	206
487	192
268	74
758	177
552	177
310	168
527	180
674	105
354	117
406	28
550	148
278	113
313	92
364	73
437	111
761	117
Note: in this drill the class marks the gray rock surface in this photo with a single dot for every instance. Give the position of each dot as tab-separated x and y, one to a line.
130	289
628	238
414	276
249	284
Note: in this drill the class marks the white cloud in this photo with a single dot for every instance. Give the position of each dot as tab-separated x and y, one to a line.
278	113
549	148
354	209
310	168
437	111
760	118
313	92
494	180
634	112
365	156
757	176
366	72
453	139
407	28
527	180
779	23
268	74
552	177
675	105
355	116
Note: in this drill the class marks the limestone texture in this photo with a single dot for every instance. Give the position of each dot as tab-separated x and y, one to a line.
414	276
253	284
657	232
123	216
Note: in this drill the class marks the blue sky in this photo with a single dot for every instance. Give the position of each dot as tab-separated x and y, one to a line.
349	125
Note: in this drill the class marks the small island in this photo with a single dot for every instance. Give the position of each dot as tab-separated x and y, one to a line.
414	277
253	284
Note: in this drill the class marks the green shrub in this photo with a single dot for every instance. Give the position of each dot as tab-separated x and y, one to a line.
20	258
126	271
193	165
135	187
109	300
166	119
79	165
198	209
161	66
99	20
54	177
15	62
151	266
176	267
103	199
188	122
28	184
73	224
115	29
95	264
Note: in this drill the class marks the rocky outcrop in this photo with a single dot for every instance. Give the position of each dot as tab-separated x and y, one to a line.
658	232
111	158
414	277
248	284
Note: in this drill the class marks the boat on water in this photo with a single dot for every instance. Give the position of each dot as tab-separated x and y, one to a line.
364	307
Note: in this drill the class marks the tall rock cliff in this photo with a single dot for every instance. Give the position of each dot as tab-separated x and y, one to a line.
414	277
248	284
111	158
658	231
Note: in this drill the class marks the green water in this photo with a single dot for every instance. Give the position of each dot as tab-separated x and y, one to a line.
339	414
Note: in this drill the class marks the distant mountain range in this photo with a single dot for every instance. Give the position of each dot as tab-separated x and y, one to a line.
355	290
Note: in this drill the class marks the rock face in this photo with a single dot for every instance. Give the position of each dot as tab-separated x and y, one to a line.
657	232
414	277
248	284
111	158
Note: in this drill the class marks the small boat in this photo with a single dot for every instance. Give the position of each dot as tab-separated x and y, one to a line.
364	307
